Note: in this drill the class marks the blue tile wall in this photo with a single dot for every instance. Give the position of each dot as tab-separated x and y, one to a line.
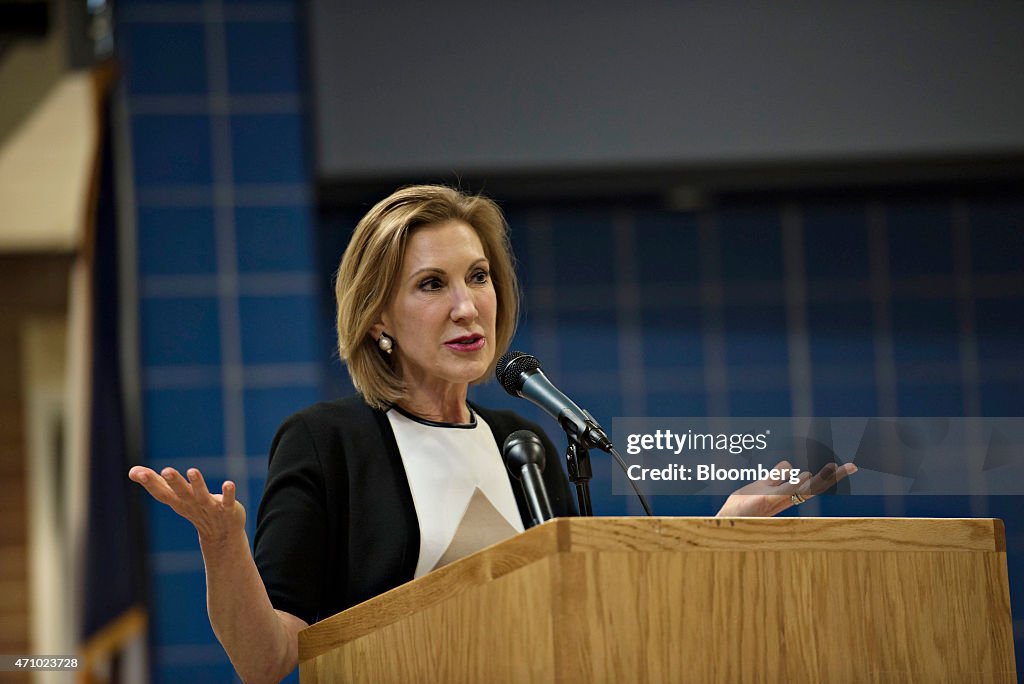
255	487
169	532
920	238
997	236
268	148
833	400
755	334
749	242
262	57
669	253
1000	329
679	343
276	329
273	238
524	338
198	673
759	402
1002	398
180	331
176	240
840	332
266	408
925	330
182	422
835	240
177	621
691	401
938	398
164	58
601	342
229	327
171	150
584	252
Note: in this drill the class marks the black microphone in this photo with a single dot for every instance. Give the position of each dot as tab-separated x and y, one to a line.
524	456
521	376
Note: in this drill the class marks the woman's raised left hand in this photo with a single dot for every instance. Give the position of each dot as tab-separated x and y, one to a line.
772	496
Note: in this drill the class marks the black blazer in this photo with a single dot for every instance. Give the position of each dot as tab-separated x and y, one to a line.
337	524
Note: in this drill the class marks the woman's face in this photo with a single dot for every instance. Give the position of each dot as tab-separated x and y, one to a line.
443	310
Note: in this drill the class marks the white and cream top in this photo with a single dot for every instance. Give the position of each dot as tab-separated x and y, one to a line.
460	487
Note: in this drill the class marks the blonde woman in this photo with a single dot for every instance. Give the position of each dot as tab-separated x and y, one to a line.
367	492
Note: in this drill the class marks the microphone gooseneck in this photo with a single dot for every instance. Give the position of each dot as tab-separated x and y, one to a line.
520	374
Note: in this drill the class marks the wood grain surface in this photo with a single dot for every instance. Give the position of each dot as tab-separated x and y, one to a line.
695	600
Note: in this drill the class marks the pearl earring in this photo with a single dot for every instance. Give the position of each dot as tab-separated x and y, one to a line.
385	343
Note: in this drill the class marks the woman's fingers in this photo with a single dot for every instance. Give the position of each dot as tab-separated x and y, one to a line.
828	476
781	472
783	498
775	494
139	474
824	479
169	487
846	470
156	485
228	494
213	515
199	487
177	483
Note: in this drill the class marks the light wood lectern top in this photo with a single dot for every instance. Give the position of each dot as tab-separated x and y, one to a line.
692	600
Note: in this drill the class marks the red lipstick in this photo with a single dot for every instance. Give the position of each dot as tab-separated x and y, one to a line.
466	343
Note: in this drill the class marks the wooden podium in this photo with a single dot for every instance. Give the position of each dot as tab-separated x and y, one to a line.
692	600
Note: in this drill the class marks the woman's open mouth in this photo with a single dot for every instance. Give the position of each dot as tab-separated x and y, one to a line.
467	343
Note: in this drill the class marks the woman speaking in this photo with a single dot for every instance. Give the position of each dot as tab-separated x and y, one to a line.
368	492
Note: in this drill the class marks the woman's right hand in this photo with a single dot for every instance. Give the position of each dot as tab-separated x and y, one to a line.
262	643
215	516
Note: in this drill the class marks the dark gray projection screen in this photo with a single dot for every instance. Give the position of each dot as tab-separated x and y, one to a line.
407	87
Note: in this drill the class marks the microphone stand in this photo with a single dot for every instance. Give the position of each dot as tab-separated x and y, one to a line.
577	460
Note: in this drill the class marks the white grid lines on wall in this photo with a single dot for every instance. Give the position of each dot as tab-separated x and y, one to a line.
245	284
236	195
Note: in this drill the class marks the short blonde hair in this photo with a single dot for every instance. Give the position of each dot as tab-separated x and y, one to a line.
373	260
